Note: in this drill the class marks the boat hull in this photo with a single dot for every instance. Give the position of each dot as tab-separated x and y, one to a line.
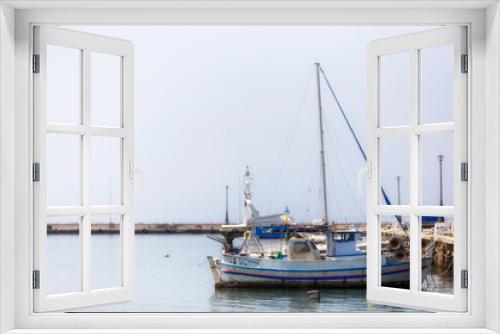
342	272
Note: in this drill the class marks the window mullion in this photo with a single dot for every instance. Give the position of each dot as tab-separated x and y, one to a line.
86	183
414	173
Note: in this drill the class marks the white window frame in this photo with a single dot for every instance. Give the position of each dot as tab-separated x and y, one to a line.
86	43
414	296
483	17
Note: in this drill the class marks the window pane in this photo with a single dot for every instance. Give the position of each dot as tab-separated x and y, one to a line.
436	84
106	90
394	90
437	254
106	251
64	273
395	247
63	169
436	151
106	170
394	169
63	85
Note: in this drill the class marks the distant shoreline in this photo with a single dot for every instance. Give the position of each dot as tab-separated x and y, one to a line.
159	228
142	228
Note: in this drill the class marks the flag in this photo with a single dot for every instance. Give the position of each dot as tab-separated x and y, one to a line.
285	217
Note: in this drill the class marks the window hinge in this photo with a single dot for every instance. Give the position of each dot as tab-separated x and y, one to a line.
465	63
464	171
36	172
36	279
36	63
368	169
464	279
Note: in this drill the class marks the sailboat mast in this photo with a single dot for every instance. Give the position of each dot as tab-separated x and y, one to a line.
329	240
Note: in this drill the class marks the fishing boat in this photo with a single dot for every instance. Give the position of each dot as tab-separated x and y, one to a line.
299	261
302	264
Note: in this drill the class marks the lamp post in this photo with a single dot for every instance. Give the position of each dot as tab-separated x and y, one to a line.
226	221
440	158
398	180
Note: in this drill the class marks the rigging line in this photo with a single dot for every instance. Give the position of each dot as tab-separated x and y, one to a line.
306	168
335	195
312	176
289	139
344	184
360	147
330	88
342	151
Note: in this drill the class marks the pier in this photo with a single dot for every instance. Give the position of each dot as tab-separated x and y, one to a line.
140	228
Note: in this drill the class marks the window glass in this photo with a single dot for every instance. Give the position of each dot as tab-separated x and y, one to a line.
63	169
394	90
300	247
394	170
106	251
106	90
395	251
437	254
64	89
436	163
106	170
436	84
64	258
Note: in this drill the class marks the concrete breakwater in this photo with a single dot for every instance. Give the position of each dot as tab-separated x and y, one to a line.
140	228
166	228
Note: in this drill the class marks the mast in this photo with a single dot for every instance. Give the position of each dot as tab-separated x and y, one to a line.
329	240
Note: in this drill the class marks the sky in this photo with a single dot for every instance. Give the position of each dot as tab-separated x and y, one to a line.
210	101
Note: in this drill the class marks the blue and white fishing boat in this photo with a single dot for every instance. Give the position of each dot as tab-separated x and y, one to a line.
302	264
299	261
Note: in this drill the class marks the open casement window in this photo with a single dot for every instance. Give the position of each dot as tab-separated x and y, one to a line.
417	98
83	164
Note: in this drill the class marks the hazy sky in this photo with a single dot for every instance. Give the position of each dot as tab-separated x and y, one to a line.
211	100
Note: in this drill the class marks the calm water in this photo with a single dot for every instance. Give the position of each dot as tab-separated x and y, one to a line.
182	282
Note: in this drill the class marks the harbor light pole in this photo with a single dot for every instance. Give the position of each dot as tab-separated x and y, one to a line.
226	221
441	202
329	236
398	180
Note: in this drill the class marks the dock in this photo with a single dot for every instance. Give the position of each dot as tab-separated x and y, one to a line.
140	228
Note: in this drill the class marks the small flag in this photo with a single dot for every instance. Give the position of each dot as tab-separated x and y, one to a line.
285	217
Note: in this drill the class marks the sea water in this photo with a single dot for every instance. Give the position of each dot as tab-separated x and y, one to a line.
172	275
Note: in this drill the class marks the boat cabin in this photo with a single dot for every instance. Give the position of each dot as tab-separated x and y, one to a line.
302	250
345	242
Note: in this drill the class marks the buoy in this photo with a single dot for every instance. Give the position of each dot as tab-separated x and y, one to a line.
313	294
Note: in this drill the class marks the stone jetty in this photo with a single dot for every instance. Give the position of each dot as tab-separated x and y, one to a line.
140	228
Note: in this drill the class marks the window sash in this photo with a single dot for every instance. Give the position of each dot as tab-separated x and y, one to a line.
86	43
414	297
